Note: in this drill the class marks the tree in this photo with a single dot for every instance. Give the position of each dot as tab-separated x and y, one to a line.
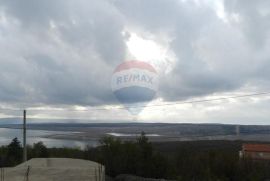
14	153
112	155
40	150
145	146
146	155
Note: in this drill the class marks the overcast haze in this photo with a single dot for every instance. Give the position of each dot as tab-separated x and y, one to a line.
60	54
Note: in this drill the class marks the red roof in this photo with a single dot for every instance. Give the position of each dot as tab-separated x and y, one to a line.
135	64
256	147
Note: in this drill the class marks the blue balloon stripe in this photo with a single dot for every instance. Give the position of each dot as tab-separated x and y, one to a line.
134	94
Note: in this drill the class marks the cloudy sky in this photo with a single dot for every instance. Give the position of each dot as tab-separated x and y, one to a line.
57	58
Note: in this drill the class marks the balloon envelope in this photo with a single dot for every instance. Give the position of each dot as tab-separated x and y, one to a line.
134	84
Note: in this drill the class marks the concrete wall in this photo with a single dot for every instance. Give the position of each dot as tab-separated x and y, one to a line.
55	169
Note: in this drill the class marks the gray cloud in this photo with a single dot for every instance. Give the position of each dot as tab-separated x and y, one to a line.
213	55
254	19
64	52
59	52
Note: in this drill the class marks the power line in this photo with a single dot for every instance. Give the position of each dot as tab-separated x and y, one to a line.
142	106
210	100
157	105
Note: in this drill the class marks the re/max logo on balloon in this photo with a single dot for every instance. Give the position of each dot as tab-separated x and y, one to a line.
134	78
134	82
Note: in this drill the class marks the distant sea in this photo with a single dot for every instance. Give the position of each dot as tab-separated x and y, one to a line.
34	136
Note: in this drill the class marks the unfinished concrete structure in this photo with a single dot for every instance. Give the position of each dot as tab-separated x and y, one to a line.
55	169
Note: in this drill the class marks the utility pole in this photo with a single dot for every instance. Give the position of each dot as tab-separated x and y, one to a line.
24	137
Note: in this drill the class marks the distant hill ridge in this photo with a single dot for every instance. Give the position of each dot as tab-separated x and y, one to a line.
162	128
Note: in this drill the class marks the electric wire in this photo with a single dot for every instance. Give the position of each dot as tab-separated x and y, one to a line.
158	105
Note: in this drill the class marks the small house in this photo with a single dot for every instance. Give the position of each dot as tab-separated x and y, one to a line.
255	151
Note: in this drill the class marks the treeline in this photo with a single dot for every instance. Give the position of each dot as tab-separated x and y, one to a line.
192	161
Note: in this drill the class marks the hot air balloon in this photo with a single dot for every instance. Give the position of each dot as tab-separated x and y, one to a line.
134	83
